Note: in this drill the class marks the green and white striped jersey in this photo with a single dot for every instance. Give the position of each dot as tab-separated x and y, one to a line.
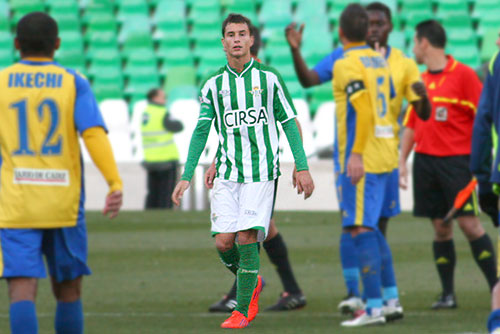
245	108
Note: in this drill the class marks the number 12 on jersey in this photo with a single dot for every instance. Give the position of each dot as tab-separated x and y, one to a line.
22	115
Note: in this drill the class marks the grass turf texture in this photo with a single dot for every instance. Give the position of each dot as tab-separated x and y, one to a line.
157	272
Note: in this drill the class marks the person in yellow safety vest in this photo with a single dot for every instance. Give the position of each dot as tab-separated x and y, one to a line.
160	152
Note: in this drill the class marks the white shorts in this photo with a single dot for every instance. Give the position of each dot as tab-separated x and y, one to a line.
241	206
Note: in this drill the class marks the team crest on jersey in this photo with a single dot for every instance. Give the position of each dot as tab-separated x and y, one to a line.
256	91
225	92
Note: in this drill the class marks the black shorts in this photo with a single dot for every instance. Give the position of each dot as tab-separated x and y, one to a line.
436	183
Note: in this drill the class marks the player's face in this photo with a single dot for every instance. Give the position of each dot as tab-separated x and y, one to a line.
378	29
237	40
418	50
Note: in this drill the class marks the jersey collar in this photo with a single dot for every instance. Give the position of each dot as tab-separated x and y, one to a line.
387	52
450	65
37	61
246	67
355	46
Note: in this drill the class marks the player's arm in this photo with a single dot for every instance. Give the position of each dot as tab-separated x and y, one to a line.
90	124
99	148
285	113
407	143
307	77
197	144
416	93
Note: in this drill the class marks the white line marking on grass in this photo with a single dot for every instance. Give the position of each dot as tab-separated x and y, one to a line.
216	315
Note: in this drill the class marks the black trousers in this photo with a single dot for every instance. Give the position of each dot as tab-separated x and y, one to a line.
161	184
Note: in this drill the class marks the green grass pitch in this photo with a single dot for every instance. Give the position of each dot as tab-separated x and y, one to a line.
157	272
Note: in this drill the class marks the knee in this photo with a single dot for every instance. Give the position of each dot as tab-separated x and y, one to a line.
22	288
67	291
471	227
443	233
224	245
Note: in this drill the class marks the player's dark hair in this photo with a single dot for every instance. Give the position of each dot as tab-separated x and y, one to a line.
378	6
254	31
37	34
152	93
354	22
236	18
433	31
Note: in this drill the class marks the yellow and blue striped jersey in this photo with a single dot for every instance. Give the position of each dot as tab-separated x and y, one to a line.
43	106
363	70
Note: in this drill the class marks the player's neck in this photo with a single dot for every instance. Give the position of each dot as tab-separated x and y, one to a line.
238	64
436	60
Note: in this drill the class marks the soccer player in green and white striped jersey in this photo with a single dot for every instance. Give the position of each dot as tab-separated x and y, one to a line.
244	99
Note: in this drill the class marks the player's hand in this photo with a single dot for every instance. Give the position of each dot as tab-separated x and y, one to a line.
179	190
355	168
305	183
294	176
419	89
113	204
380	49
403	176
210	176
294	36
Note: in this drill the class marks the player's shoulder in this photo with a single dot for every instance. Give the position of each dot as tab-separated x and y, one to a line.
461	68
399	55
267	68
213	75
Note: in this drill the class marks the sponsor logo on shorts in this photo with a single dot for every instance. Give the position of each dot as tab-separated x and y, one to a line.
41	177
250	213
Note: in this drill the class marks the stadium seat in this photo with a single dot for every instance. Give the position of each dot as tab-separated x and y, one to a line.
67	21
180	76
139	84
4	11
131	9
241	6
175	57
104	89
72	58
6	58
489	46
141	61
451	7
98	10
71	40
466	55
169	10
205	12
61	7
23	7
209	65
275	14
306	12
336	9
397	39
203	31
319	95
6	40
483	7
105	61
488	21
461	37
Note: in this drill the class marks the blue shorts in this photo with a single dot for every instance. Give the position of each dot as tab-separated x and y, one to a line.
362	203
65	250
391	206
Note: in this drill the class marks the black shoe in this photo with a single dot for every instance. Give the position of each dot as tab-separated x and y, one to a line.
445	302
288	302
225	305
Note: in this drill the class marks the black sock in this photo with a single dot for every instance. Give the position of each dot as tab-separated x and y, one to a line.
277	252
382	225
444	257
232	293
482	250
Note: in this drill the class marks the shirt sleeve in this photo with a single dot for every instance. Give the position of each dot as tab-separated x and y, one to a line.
412	76
471	90
86	113
284	109
207	110
481	147
410	119
324	68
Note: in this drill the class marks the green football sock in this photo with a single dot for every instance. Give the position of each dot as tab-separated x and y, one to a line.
247	276
231	259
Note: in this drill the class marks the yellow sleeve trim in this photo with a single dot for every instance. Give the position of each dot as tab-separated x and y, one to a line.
97	143
455	101
364	120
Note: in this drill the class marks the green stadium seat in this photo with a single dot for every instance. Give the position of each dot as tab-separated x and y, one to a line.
139	84
176	57
451	7
408	6
488	21
286	70
319	95
315	43
165	46
296	90
483	7
4	10
143	61
131	9
205	12
67	22
413	19
306	11
240	6
103	39
456	20
336	8
275	14
466	55
397	39
4	24
209	65
169	11
61	7
489	46
105	61
71	40
461	37
212	51
392	4
6	57
170	30
73	59
138	26
205	32
6	40
21	8
101	23
180	76
107	89
96	10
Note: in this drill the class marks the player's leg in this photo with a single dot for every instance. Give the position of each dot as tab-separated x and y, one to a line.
22	311
292	297
170	184
481	247
150	181
493	323
66	253
362	210
21	258
69	309
391	206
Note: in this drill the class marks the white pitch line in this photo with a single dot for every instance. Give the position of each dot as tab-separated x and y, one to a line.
215	315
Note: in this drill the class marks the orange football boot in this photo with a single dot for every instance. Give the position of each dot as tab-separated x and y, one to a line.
253	308
236	320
